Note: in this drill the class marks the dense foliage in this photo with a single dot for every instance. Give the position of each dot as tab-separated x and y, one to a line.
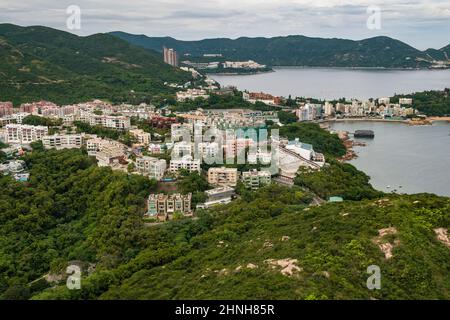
43	63
69	210
232	101
311	133
41	121
224	254
430	103
297	50
337	179
287	117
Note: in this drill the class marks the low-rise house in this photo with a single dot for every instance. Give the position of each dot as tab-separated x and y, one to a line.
223	176
255	179
151	167
162	206
221	195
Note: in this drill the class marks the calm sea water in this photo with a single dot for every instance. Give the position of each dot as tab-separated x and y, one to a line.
337	83
417	158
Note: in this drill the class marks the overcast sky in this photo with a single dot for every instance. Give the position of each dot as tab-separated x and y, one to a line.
420	23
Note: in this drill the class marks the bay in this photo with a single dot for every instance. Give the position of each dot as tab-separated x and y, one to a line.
335	83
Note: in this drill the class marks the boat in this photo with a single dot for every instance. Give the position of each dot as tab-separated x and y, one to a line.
364	134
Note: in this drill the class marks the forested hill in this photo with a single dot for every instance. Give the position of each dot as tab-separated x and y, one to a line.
268	244
43	63
297	50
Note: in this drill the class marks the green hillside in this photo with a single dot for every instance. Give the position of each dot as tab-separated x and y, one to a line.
44	63
269	244
296	50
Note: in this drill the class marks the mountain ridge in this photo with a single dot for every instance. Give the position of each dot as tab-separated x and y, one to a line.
299	50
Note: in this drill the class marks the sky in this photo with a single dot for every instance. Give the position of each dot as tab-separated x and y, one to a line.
420	23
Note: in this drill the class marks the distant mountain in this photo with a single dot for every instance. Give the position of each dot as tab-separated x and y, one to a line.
381	52
439	55
44	63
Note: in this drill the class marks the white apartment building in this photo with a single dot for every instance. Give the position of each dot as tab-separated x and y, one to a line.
113	122
96	145
151	167
181	130
192	94
186	163
18	133
384	101
405	101
182	149
209	150
63	141
223	176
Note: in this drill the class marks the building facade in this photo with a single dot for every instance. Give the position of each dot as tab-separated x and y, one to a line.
151	167
163	206
17	133
63	141
223	176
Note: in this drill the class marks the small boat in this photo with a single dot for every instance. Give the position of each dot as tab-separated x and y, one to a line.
388	187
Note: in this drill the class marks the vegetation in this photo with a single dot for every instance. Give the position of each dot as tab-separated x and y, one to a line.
311	133
298	50
195	183
215	101
287	117
431	103
225	254
337	179
41	121
43	63
69	210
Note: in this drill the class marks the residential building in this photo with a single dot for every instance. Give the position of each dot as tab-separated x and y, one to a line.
63	141
192	94
223	176
209	150
187	163
407	101
162	206
141	136
221	195
6	108
170	56
305	150
182	149
151	167
253	97
17	133
107	121
384	101
255	179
